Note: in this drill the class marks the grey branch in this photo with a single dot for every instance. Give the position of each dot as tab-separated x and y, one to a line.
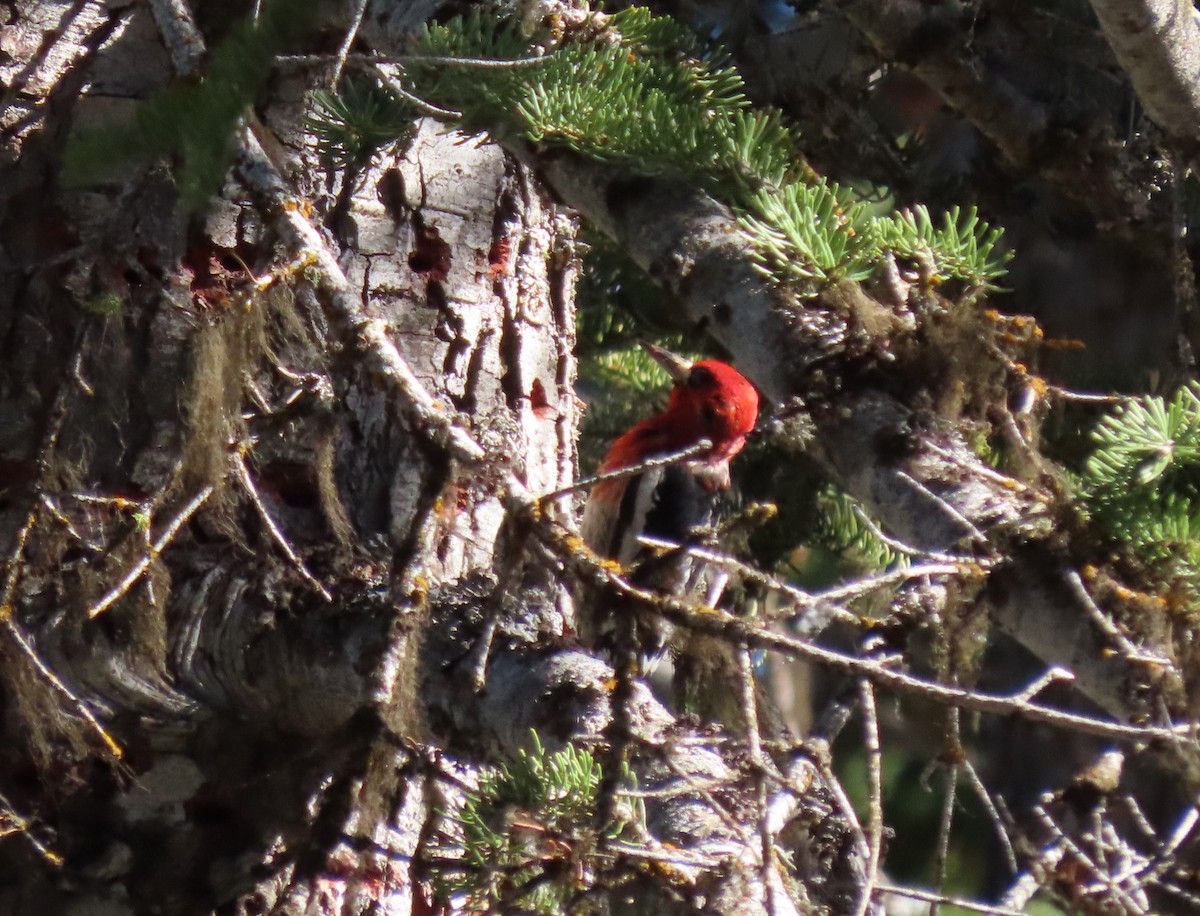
1158	45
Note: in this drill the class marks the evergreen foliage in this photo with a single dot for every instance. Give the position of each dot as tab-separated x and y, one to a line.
1143	479
841	528
646	92
519	829
811	232
963	246
352	125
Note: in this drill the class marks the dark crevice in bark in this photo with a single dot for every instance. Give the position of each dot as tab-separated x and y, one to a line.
510	354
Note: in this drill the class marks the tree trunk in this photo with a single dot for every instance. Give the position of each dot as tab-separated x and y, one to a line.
148	379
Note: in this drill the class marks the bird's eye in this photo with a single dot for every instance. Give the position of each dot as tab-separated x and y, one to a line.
700	377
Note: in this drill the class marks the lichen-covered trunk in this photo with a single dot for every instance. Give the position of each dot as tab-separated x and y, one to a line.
219	526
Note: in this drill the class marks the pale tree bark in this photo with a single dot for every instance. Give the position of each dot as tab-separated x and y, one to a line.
243	699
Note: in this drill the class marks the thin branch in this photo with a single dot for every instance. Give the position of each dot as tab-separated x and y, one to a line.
942	857
944	506
650	464
264	514
846	808
470	63
54	681
899	546
754	747
15	564
21	825
1157	43
1164	857
930	897
874	829
140	567
801	601
1074	850
1106	626
1041	682
868	584
718	622
365	334
434	111
360	8
985	799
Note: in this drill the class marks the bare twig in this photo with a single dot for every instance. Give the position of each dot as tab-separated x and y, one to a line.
470	63
801	602
367	335
1077	853
12	576
874	829
247	482
754	747
868	584
943	506
18	824
930	897
718	622
985	799
1164	857
942	855
434	111
140	567
1042	681
63	519
1106	626
900	546
360	8
650	464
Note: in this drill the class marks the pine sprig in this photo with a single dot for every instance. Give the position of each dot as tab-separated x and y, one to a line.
352	125
811	232
962	246
536	802
841	529
1143	479
1139	442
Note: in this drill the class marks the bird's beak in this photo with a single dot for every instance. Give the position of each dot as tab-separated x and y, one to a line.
677	367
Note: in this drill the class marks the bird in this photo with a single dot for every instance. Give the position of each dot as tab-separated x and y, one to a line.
710	401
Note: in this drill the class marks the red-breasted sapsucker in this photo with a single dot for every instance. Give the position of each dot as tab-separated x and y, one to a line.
709	401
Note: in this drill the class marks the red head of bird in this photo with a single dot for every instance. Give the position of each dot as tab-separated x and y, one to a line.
709	401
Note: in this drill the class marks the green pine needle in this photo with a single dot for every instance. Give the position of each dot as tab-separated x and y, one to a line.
963	246
1143	479
353	125
195	124
645	92
811	232
503	824
842	530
